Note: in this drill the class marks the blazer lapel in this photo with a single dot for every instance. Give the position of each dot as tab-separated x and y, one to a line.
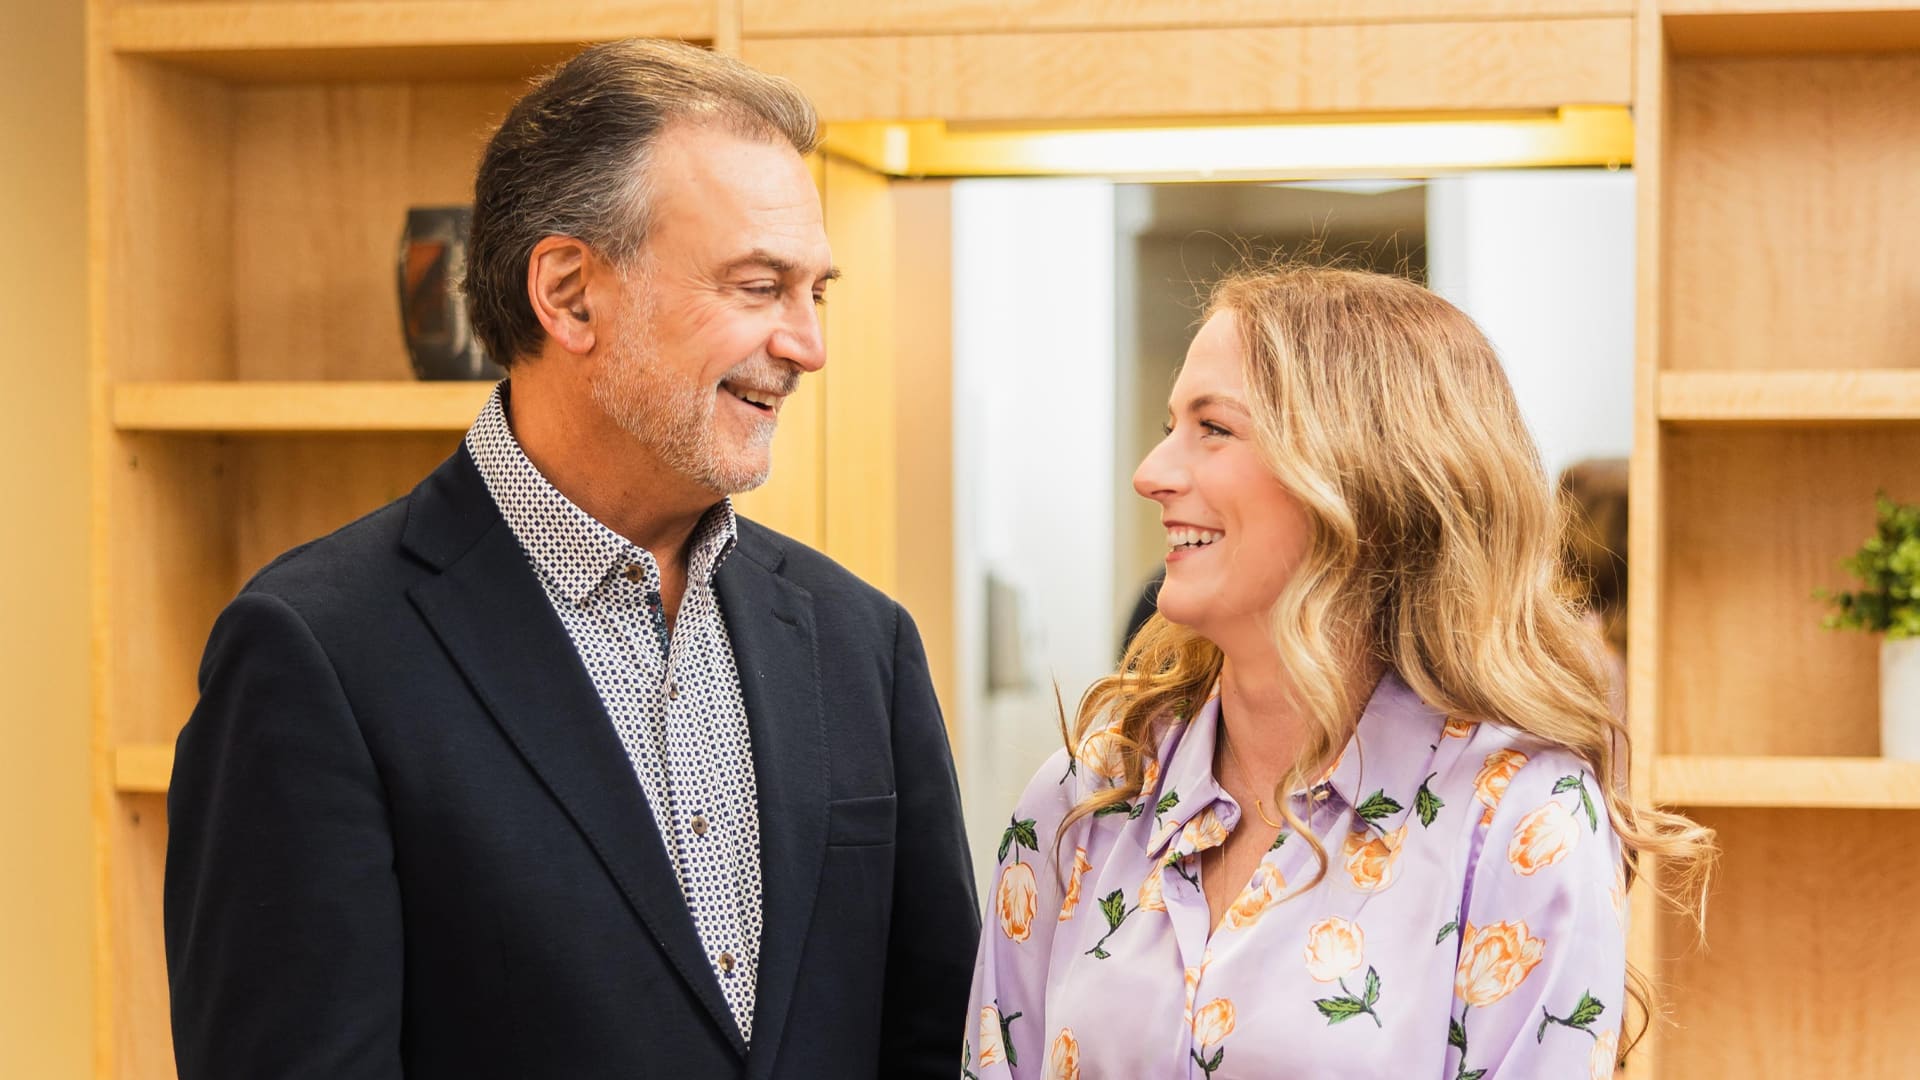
491	615
770	622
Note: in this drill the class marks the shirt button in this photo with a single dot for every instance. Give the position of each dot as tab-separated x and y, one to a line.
673	690
632	572
699	825
726	962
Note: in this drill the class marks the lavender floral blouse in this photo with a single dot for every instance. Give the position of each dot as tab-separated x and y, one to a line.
1471	925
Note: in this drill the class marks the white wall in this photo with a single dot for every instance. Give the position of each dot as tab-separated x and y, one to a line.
1033	356
1543	261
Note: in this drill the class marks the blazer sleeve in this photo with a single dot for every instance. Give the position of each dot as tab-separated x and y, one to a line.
282	911
936	919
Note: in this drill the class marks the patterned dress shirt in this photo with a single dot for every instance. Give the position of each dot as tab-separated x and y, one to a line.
1471	924
673	698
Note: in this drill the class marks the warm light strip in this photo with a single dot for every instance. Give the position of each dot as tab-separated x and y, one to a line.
1572	136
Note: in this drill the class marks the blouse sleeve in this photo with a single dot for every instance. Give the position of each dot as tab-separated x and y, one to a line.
1006	1012
1542	967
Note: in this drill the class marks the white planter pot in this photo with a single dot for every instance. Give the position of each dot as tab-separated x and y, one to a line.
1900	699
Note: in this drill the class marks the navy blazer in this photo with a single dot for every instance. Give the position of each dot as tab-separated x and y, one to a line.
406	840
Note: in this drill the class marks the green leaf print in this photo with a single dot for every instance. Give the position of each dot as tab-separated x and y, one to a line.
1579	783
1337	1010
1456	1035
1167	802
1446	931
1279	839
1114	907
1426	803
1580	1019
1022	833
1006	1037
1377	806
1474	1075
1114	808
1028	836
1340	1009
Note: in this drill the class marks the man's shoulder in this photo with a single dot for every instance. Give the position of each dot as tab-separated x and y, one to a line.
808	568
344	570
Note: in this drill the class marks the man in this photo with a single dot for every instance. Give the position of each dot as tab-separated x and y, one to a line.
555	768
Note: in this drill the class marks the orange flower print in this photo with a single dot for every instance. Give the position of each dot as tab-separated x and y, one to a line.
993	1049
1260	894
1211	1026
1458	727
1152	893
1149	778
1193	985
1486	819
1606	1053
1203	832
1063	1059
1494	960
1543	838
1103	753
1334	949
1491	783
1371	862
1019	901
1080	867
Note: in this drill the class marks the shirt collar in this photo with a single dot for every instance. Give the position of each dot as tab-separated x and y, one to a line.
1388	755
571	550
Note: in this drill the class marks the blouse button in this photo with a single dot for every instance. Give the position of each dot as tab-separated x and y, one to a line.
632	572
699	825
726	962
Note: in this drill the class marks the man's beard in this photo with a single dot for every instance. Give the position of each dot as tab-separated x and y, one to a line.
675	421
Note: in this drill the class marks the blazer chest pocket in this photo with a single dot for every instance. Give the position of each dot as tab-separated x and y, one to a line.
860	822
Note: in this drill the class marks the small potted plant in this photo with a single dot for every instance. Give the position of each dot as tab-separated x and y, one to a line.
1888	603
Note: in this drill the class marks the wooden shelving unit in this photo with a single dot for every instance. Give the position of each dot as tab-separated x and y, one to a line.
1780	388
291	408
1787	782
1810	398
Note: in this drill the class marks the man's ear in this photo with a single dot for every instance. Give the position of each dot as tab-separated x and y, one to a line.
564	279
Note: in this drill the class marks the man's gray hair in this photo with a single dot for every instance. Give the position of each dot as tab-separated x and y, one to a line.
571	159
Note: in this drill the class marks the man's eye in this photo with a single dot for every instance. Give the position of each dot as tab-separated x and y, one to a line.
768	290
819	299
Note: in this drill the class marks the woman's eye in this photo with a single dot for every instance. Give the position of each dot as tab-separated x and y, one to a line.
1166	430
819	299
1211	428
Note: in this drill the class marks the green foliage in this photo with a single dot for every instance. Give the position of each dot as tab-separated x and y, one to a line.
1888	567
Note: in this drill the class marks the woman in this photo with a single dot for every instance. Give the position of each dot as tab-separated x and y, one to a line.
1354	805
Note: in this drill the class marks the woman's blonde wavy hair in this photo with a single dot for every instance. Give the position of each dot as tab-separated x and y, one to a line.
1434	544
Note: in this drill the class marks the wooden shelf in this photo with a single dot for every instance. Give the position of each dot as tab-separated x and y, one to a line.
1788	27
1804	782
293	408
1790	397
142	769
388	39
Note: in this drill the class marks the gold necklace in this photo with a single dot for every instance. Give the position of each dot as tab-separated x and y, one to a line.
1259	805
